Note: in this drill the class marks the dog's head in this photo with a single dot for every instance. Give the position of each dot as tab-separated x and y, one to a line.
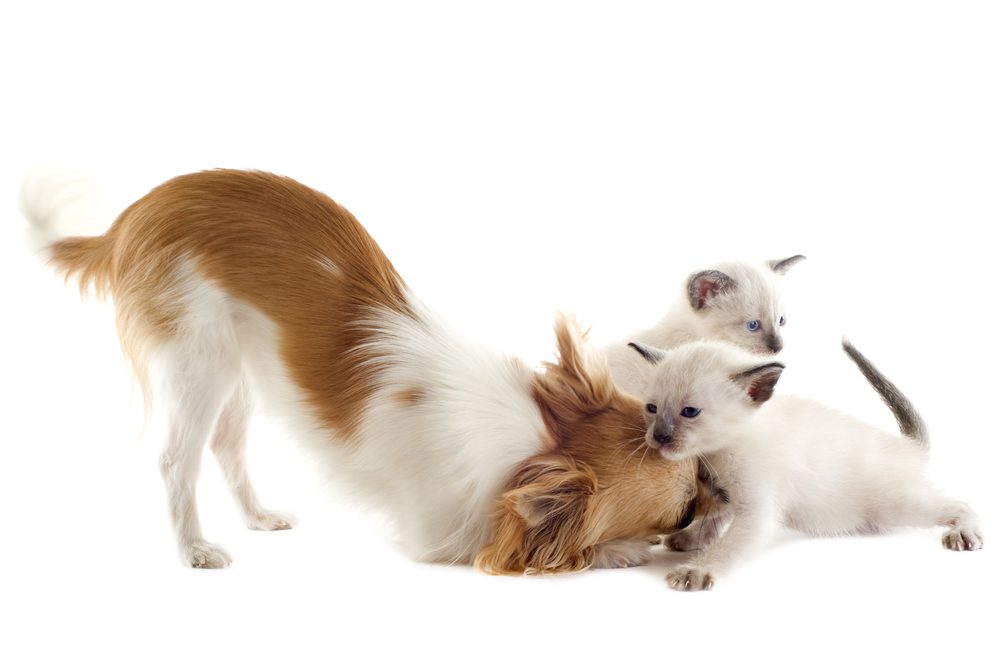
593	483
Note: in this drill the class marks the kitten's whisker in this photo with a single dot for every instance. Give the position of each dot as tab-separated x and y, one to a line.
634	452
627	443
642	459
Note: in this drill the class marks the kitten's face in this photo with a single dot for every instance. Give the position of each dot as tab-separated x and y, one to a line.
748	322
741	304
699	396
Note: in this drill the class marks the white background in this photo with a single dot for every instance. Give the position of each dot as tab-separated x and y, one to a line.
512	161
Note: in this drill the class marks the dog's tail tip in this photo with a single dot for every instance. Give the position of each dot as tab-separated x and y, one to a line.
63	207
59	202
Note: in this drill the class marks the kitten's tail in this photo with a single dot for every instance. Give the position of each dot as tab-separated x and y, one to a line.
909	420
53	202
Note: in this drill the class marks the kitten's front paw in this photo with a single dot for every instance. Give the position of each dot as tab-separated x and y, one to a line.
271	521
690	579
962	539
622	553
203	555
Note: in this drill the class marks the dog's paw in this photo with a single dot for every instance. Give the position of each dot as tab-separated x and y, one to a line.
203	555
690	579
271	521
962	539
622	553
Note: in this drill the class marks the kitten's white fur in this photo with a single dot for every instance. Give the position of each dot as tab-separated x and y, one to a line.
787	460
749	292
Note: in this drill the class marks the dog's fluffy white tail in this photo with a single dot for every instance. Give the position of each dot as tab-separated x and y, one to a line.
60	206
60	203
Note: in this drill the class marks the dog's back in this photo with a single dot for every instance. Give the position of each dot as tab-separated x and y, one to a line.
269	241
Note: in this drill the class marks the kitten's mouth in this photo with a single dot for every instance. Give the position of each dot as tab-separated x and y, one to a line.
669	450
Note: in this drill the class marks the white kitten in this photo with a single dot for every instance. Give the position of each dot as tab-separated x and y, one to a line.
786	460
736	302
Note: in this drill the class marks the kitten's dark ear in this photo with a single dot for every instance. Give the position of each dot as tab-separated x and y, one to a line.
758	382
651	354
781	266
706	285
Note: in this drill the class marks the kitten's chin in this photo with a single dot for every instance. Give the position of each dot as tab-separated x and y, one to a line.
673	452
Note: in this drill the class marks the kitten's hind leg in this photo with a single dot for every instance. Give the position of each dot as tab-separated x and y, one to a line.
921	507
229	446
964	533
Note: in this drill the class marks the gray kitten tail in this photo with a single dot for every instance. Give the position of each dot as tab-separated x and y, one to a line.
909	420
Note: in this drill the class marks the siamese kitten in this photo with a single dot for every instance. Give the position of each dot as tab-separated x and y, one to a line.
737	302
786	459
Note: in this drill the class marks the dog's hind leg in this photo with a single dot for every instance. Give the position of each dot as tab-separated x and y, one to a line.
229	446
199	368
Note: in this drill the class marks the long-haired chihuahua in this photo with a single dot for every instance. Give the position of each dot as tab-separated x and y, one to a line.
233	288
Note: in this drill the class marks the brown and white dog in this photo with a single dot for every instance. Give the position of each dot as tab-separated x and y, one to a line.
230	285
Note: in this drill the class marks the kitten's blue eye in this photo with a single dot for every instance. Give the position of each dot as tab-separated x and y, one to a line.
781	322
753	325
650	408
690	413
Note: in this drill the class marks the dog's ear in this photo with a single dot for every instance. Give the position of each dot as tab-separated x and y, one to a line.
704	286
781	266
543	519
579	383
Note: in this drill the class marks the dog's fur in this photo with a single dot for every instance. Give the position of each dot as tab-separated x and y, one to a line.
229	285
715	304
786	459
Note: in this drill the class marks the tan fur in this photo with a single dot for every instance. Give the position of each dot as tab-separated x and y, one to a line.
86	258
542	524
411	397
594	483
